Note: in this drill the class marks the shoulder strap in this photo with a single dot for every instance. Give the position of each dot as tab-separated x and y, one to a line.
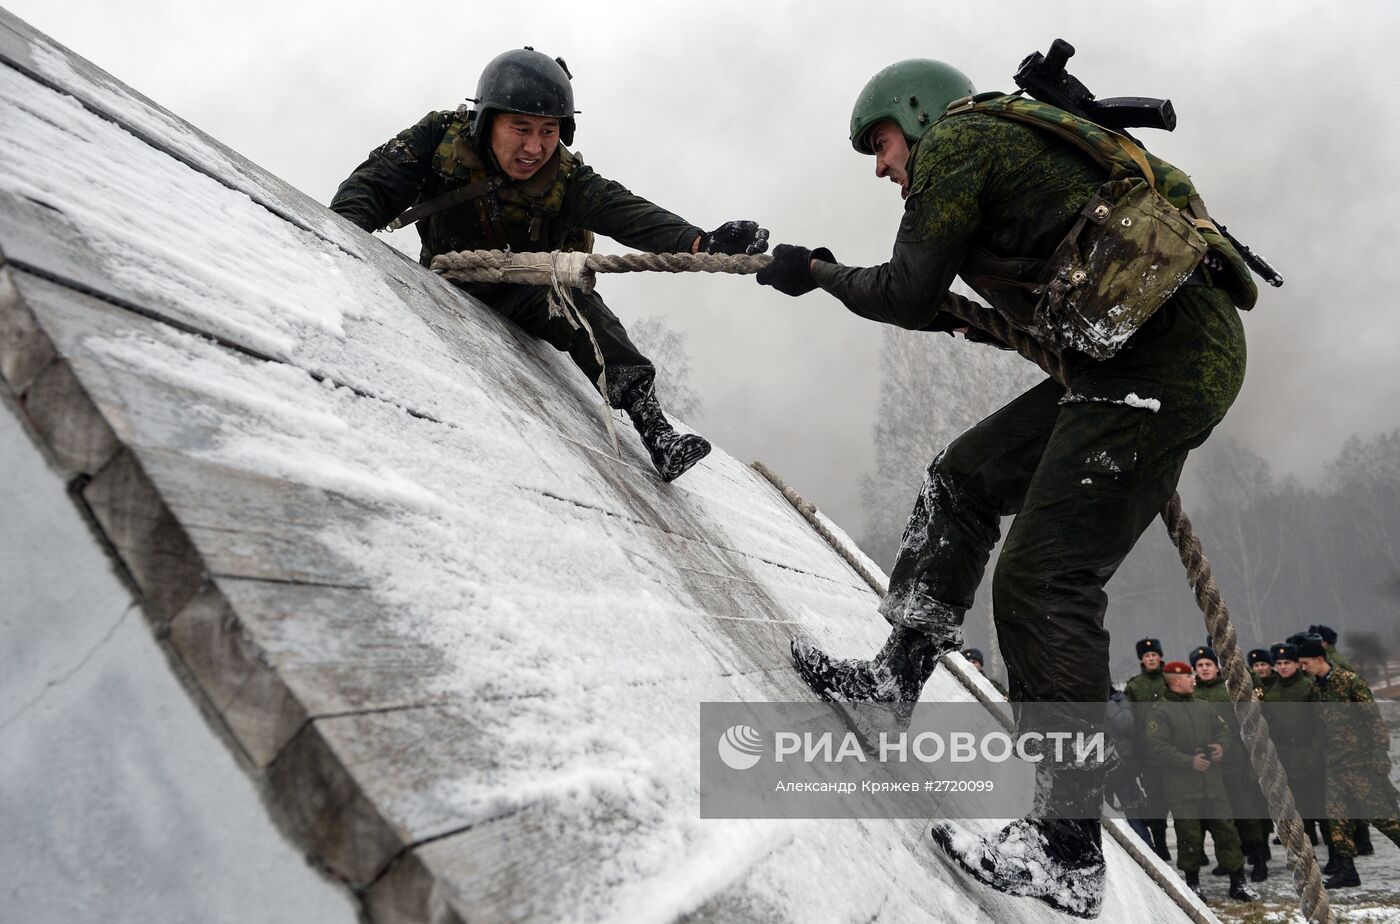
1114	151
446	201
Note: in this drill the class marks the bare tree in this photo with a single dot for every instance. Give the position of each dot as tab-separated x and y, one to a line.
665	347
932	387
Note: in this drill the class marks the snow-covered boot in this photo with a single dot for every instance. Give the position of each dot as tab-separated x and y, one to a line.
671	452
1239	891
1345	877
1193	882
896	675
1059	862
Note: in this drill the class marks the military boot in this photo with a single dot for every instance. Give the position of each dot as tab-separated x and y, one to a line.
1056	861
1259	861
1239	891
1193	882
1333	860
1158	828
1345	877
1361	833
896	675
671	452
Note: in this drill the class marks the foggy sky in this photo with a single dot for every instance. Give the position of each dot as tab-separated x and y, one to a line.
1288	124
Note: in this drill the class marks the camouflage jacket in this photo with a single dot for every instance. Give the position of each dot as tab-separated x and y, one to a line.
553	210
1337	659
988	199
1217	692
1146	687
1352	737
1291	722
1262	684
1178	726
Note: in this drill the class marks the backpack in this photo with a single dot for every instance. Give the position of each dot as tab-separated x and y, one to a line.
1135	242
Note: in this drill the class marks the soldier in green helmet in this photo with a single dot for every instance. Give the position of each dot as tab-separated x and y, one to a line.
498	177
1106	255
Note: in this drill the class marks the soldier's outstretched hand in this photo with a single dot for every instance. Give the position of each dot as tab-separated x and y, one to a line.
791	269
736	237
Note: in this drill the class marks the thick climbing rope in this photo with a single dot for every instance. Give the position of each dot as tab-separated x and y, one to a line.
577	270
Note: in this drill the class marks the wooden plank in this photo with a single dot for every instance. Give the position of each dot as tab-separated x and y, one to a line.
149	541
24	348
410	893
327	812
79	440
242	685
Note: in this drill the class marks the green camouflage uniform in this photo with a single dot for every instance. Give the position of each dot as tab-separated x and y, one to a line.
1292	727
1337	659
1144	688
1355	744
1177	728
1262	684
1084	472
1241	784
556	209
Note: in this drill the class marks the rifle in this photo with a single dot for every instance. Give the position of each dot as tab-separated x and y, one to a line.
1044	77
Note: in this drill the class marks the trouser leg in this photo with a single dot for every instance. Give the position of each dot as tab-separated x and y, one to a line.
1390	827
528	306
1190	843
1095	491
979	478
1225	837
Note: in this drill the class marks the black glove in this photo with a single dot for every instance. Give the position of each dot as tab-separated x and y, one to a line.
736	237
791	269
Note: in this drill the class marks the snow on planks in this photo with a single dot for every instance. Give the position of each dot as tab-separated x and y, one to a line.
460	644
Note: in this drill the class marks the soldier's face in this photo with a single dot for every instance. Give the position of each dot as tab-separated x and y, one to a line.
1181	683
1286	669
1315	666
891	155
1151	661
1264	669
523	143
1206	669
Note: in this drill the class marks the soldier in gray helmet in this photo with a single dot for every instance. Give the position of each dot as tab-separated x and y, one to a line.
500	177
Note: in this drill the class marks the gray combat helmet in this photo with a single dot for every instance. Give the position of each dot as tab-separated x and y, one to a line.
913	94
526	81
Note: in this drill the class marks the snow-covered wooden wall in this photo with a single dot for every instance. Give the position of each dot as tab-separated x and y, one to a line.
382	537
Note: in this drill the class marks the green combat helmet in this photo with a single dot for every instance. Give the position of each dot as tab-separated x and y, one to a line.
913	94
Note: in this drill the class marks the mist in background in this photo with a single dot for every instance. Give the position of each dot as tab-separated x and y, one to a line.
1288	123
